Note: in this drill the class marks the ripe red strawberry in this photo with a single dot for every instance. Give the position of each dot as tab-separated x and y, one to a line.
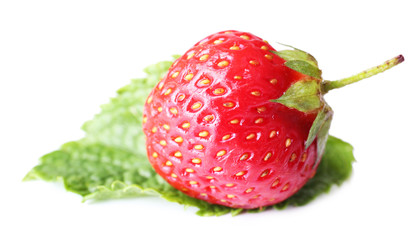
214	132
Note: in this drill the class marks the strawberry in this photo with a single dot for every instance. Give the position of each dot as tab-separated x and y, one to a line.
236	123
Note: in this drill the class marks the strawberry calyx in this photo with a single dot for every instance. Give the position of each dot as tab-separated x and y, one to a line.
306	95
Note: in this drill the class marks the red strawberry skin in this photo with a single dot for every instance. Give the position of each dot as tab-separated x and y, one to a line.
213	133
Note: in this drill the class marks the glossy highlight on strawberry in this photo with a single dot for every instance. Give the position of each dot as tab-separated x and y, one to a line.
214	133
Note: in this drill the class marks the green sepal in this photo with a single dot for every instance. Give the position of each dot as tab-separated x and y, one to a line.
323	115
304	68
320	130
296	54
300	61
303	95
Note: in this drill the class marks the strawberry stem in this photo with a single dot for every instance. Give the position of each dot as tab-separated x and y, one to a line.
326	86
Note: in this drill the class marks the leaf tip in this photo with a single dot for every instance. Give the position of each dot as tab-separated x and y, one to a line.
31	175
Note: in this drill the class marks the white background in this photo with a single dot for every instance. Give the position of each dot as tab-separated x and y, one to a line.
60	60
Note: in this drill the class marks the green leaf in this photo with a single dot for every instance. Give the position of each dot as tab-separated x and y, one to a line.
110	162
119	123
83	167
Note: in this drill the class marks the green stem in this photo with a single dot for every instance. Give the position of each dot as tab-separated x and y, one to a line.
329	85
